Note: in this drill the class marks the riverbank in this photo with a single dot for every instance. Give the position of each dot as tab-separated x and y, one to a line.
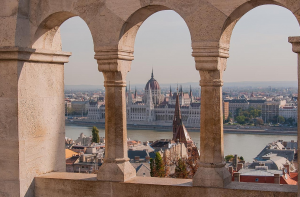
263	130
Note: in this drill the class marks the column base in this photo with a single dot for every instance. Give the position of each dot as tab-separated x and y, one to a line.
212	177
119	172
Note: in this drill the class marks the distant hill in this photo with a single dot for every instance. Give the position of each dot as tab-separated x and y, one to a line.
84	87
262	84
194	85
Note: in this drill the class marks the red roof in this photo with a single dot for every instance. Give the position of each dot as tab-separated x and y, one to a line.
288	107
289	180
72	160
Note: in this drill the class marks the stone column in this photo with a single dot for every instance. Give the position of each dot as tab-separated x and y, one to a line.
114	65
295	41
32	122
210	61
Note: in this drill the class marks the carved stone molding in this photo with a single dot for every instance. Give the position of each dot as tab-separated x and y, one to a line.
295	41
34	55
209	49
109	56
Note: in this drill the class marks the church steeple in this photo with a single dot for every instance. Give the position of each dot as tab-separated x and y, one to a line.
177	117
180	134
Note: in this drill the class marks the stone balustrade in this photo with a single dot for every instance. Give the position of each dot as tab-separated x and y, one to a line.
78	185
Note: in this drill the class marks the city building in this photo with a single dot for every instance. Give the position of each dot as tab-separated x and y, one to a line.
270	109
289	112
79	107
274	164
225	110
155	108
235	104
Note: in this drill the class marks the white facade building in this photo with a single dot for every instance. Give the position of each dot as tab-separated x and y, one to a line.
289	112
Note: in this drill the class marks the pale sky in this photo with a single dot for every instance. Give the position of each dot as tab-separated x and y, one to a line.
259	49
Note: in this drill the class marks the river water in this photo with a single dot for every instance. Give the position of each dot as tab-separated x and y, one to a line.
244	145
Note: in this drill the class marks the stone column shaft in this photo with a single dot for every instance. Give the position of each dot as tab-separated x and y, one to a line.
295	41
211	62
114	65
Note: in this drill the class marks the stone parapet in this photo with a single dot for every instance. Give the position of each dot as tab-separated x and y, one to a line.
78	185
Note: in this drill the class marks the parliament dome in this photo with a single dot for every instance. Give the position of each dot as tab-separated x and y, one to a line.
154	85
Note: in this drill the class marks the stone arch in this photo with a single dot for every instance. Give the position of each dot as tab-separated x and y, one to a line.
47	35
134	22
243	9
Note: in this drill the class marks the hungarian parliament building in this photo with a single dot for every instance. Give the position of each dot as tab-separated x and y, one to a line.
153	108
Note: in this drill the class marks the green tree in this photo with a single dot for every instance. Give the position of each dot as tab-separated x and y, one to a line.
229	158
152	168
238	112
259	121
159	165
180	170
241	158
281	119
290	121
95	133
240	119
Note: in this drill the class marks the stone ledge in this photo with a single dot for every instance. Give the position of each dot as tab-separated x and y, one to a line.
34	55
75	185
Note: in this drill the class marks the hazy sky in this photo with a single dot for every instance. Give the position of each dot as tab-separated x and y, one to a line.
259	49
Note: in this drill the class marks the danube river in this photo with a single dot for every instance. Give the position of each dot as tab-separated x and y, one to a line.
244	145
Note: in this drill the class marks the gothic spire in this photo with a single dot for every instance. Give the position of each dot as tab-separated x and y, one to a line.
191	92
129	87
181	89
135	93
152	76
170	91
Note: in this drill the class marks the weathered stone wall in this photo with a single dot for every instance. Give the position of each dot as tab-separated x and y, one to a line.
41	121
9	156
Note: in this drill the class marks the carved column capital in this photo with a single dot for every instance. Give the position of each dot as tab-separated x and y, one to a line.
114	64
210	58
208	54
295	41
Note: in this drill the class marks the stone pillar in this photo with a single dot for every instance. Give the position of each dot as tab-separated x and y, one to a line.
237	177
295	41
211	62
32	124
277	178
114	65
